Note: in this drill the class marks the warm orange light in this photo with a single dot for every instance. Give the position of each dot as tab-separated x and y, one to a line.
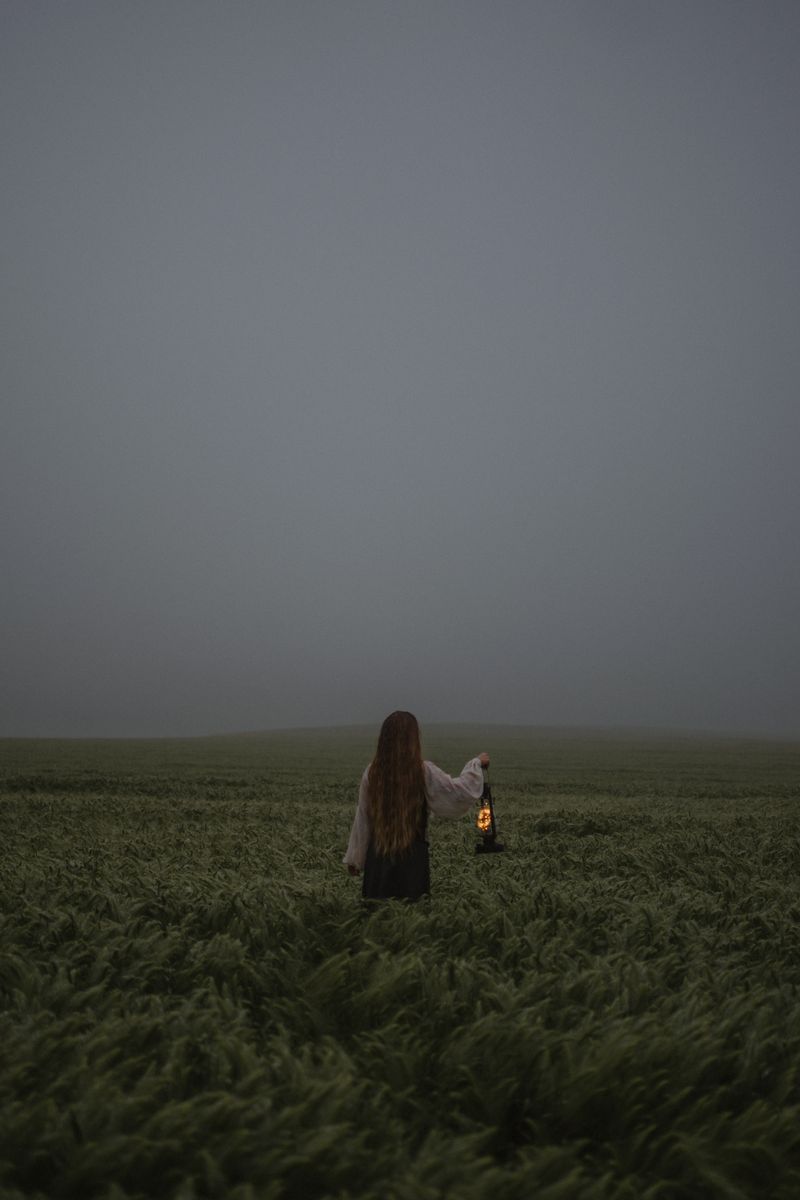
484	821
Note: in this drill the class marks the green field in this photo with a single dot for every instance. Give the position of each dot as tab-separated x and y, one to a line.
194	1004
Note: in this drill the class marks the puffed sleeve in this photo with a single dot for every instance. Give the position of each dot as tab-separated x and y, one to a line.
450	796
359	834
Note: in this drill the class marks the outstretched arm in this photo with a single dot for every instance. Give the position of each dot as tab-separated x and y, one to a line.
452	796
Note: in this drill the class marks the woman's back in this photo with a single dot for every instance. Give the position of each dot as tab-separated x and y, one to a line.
398	789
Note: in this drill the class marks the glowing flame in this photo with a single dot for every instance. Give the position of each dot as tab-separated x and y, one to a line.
484	821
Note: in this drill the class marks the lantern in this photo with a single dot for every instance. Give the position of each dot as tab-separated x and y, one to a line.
485	822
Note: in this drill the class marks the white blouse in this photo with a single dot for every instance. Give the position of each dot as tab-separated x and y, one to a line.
447	797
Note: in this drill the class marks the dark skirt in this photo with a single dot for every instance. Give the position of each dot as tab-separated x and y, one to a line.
406	877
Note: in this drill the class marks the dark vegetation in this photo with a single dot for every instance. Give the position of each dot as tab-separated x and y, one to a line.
194	1004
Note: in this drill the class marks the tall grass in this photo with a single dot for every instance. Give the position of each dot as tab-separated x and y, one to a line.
193	1003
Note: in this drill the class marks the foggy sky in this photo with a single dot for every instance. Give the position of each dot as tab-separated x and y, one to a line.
422	354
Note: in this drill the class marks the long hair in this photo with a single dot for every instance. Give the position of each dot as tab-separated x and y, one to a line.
396	786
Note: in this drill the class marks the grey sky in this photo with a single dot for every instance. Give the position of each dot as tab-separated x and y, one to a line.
417	354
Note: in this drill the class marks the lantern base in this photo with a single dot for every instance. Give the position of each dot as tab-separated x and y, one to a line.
489	846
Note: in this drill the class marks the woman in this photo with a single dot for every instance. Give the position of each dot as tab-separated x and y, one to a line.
397	792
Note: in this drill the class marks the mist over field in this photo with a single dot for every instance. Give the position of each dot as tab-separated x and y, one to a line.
360	356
